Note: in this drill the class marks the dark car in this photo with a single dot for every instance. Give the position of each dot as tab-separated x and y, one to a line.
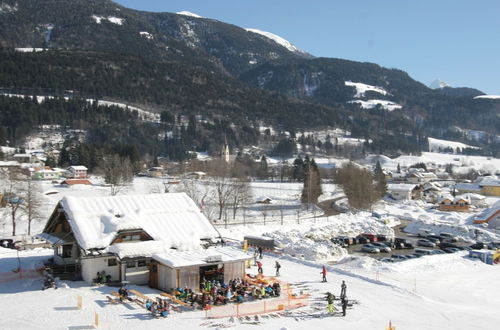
355	240
363	240
445	245
450	250
424	242
478	246
433	240
439	238
381	238
449	237
408	245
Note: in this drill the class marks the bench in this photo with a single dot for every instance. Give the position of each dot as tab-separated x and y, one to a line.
175	300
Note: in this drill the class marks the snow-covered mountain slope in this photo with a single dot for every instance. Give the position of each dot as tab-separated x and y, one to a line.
188	13
370	104
493	97
438	84
436	144
279	40
361	88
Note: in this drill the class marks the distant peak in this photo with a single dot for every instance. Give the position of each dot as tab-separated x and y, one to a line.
188	13
438	84
279	40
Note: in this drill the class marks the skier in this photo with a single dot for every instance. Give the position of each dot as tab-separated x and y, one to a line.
260	252
344	305
323	272
330	298
259	267
277	266
343	288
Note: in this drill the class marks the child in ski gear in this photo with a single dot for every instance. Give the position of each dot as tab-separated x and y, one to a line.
259	267
330	298
323	272
277	266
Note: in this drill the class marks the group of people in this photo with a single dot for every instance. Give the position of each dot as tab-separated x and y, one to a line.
102	277
218	293
48	281
330	298
161	307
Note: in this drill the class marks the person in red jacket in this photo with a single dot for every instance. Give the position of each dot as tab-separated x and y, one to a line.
259	267
323	272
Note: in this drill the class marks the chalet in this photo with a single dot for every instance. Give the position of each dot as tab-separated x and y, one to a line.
126	236
449	203
421	177
76	172
490	185
22	158
156	172
489	216
401	191
466	187
46	173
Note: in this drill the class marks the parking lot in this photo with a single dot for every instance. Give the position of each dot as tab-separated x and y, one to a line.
398	231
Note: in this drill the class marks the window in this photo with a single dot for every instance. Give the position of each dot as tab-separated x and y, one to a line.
112	262
134	237
130	264
64	251
141	263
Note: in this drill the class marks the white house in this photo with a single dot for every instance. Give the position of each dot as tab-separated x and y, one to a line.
76	172
120	234
400	191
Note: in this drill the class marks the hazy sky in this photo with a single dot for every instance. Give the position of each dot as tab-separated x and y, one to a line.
457	41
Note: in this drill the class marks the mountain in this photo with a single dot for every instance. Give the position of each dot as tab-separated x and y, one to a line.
187	65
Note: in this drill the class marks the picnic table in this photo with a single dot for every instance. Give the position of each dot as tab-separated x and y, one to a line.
175	300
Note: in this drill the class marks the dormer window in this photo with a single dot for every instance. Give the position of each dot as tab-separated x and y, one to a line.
132	237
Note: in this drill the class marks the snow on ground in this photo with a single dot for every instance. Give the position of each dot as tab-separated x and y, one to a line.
188	13
277	39
370	104
493	97
111	19
146	34
434	292
436	144
30	50
361	88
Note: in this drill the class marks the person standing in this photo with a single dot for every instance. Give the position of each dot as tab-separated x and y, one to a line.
277	266
259	267
260	252
343	288
330	298
323	272
344	305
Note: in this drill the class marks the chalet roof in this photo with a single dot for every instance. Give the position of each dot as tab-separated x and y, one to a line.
400	187
78	168
76	181
455	199
489	181
487	213
173	219
201	257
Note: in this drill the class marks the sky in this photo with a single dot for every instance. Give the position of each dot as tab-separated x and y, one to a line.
456	41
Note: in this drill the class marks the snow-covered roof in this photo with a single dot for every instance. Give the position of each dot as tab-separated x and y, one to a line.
173	219
139	249
201	257
400	187
487	213
467	187
77	168
491	180
455	199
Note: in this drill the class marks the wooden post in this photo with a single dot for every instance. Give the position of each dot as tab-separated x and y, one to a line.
96	320
79	302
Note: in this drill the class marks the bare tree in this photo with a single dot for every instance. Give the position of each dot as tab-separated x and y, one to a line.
241	195
12	195
32	202
221	185
117	172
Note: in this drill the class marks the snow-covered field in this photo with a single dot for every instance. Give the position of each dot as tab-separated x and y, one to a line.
436	144
434	292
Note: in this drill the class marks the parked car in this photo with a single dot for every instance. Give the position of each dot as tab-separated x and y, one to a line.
444	245
382	238
381	246
424	232
478	246
355	240
408	246
399	257
438	252
424	242
439	238
433	240
449	237
371	237
388	260
370	248
450	250
363	240
423	252
493	245
411	256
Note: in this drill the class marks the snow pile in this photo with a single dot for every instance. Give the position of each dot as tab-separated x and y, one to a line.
436	144
146	35
277	39
188	13
111	19
370	104
492	97
361	88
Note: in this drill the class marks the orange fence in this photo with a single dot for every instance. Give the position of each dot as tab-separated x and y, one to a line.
267	305
19	274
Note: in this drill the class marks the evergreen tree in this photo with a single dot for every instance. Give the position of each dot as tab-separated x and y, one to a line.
312	184
263	172
298	173
380	182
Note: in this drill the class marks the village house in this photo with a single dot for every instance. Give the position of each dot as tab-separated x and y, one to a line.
46	173
490	185
421	177
126	236
458	203
402	191
76	172
489	216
